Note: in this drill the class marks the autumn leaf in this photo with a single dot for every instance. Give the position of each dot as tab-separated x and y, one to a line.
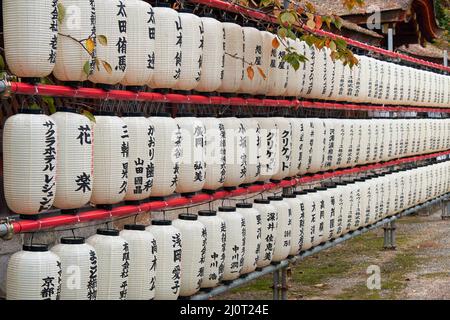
261	73
275	43
318	22
34	106
107	66
266	3
102	39
332	45
88	115
90	45
338	22
311	24
2	63
250	72
310	7
61	13
287	18
282	33
87	68
97	64
327	20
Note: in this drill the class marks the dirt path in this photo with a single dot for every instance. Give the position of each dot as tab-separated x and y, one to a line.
418	269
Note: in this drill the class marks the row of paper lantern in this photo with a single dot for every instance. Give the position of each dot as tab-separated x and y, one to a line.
66	161
136	44
177	259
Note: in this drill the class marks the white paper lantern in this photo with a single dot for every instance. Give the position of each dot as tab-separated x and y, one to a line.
252	236
307	141
79	269
111	152
29	162
140	165
236	150
168	267
191	176
276	82
213	56
33	274
284	228
168	42
113	264
253	133
269	224
235	242
143	261
319	88
71	57
215	247
293	88
337	92
74	166
266	40
253	44
111	22
30	37
296	221
215	152
141	43
233	70
308	200
193	254
192	50
284	145
318	140
269	149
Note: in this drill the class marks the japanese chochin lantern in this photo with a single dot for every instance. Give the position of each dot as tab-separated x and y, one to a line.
253	132
297	145
215	152
294	87
266	40
276	82
269	149
142	253
192	50
296	220
29	186
284	144
111	22
168	266
74	166
284	228
165	154
236	150
140	165
71	57
33	274
141	43
318	135
111	152
235	242
306	138
113	264
320	74
30	37
233	70
213	56
193	253
168	41
308	199
216	237
77	257
252	236
252	81
269	224
191	176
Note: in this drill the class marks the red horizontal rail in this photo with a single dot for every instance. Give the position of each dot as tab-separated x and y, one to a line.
128	210
223	5
94	93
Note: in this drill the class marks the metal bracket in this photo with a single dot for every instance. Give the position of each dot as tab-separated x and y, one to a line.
389	236
6	229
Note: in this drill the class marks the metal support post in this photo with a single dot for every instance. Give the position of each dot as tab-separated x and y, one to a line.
276	285
284	283
445	209
389	236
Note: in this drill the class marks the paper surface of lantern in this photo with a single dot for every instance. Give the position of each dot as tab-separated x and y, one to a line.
252	236
276	82
79	259
29	186
191	176
269	224
269	148
233	70
168	42
284	229
253	132
111	152
266	40
215	152
284	144
296	220
30	37
73	62
215	247
293	88
74	168
252	80
111	22
166	153
318	140
141	43
213	56
235	242
193	253
143	260
140	157
168	267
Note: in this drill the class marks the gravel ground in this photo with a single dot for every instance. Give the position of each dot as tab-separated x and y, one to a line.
418	269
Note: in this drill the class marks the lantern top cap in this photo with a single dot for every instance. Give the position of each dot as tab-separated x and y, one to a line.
207	213
261	201
136	227
188	217
108	232
227	209
72	240
35	247
161	222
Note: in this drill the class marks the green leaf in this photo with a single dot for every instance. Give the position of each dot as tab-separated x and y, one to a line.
282	32
287	18
34	106
61	12
2	63
266	3
88	115
341	44
338	22
291	35
87	68
102	39
50	102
